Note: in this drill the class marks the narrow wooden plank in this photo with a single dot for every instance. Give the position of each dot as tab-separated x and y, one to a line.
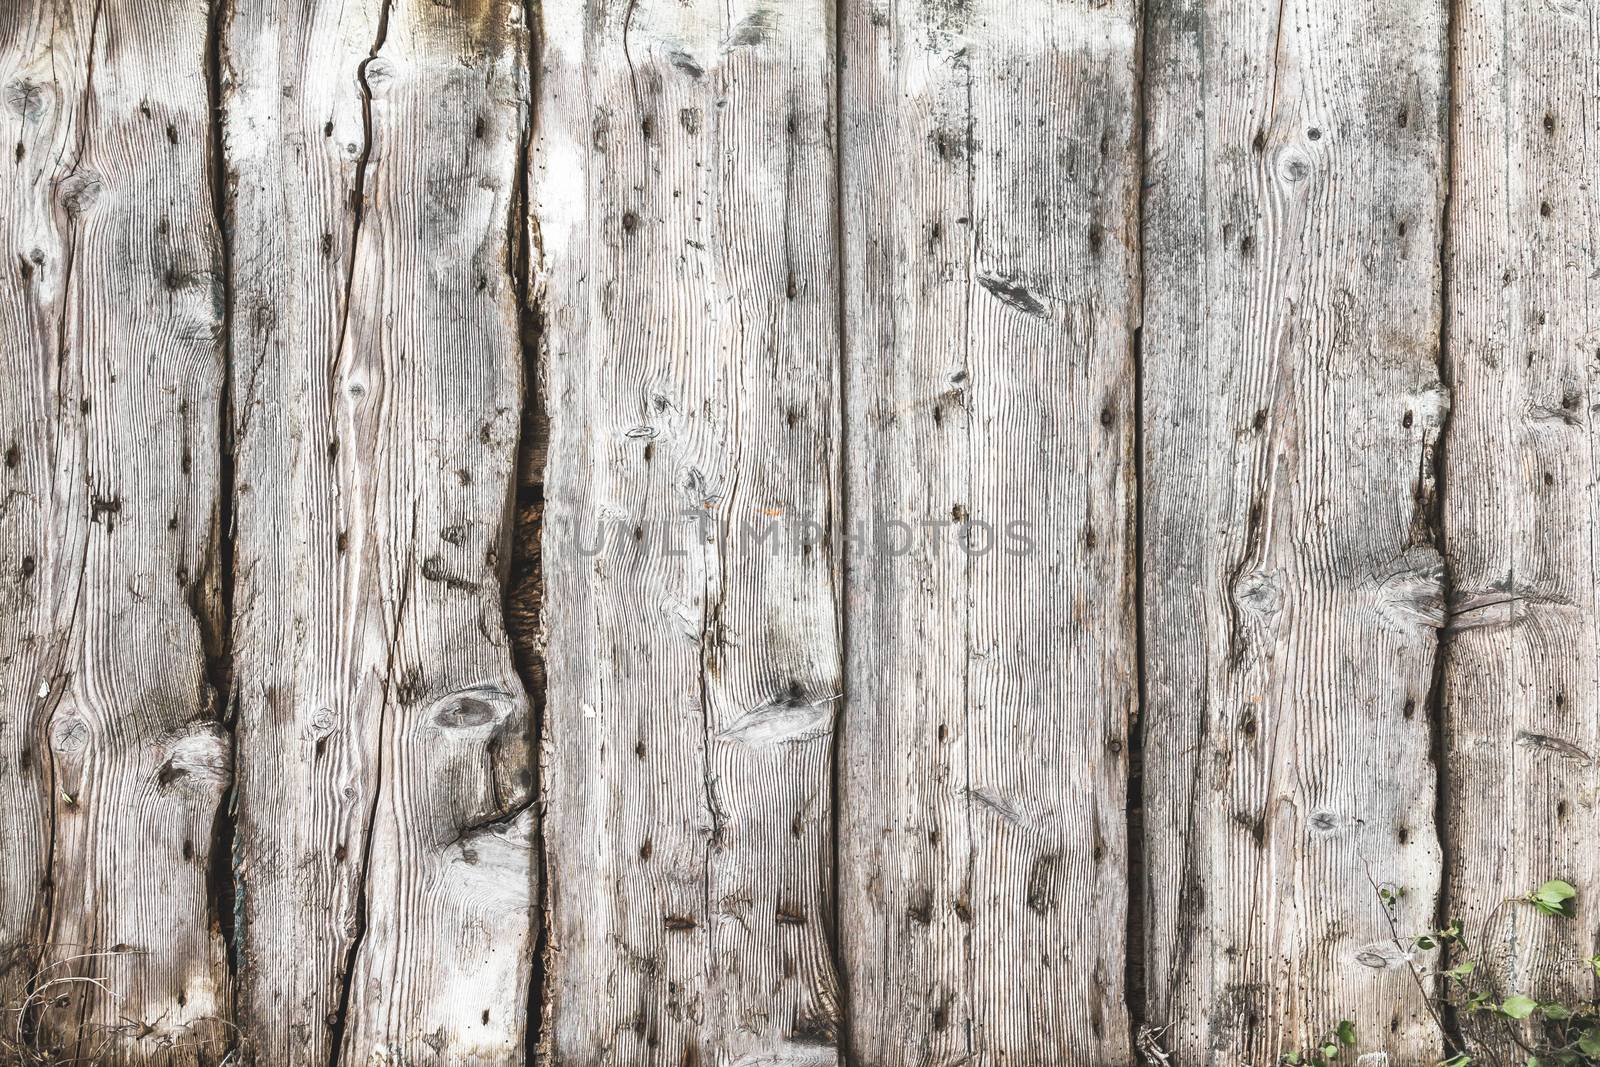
990	162
1521	693
384	854
685	270
1292	406
110	379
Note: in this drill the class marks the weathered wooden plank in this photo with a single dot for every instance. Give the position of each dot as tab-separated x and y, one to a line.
1292	405
384	856
990	162
682	188
110	381
1520	686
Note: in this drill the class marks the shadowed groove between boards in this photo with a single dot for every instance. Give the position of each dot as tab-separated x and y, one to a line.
222	885
523	599
841	721
1439	744
1134	932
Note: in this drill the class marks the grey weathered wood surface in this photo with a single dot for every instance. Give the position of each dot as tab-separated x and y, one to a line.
990	177
1160	299
684	259
1521	684
1293	583
110	331
385	848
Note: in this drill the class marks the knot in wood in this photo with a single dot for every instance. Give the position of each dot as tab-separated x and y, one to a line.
476	709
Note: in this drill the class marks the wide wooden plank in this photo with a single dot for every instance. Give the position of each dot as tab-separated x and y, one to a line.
1292	408
990	182
110	381
385	864
682	189
1521	686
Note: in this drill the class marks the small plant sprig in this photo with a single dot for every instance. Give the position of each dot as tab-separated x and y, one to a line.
1555	897
1562	1034
1327	1048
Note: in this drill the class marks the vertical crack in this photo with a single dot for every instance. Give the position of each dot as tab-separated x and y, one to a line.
832	909
222	885
1135	935
29	1018
352	952
358	196
358	202
1453	1036
524	588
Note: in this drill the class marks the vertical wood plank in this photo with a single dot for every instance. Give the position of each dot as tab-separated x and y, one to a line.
110	378
1521	685
385	860
1292	406
684	260
990	176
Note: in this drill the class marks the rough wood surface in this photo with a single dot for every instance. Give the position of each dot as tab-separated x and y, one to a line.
385	860
1521	685
990	177
1013	485
683	219
110	377
1292	406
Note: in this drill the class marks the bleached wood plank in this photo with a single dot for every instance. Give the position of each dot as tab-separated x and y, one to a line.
110	379
1521	682
684	255
990	168
1292	407
385	859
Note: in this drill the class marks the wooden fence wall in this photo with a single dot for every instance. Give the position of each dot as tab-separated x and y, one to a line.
774	533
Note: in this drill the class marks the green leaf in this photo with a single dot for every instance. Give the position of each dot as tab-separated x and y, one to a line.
1589	1043
1424	942
1462	969
1330	1050
1558	1012
1554	897
1557	889
1347	1031
1518	1006
1594	961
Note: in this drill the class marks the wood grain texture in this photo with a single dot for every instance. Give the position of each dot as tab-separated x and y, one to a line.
1521	684
110	378
385	859
889	373
1292	406
990	176
682	190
